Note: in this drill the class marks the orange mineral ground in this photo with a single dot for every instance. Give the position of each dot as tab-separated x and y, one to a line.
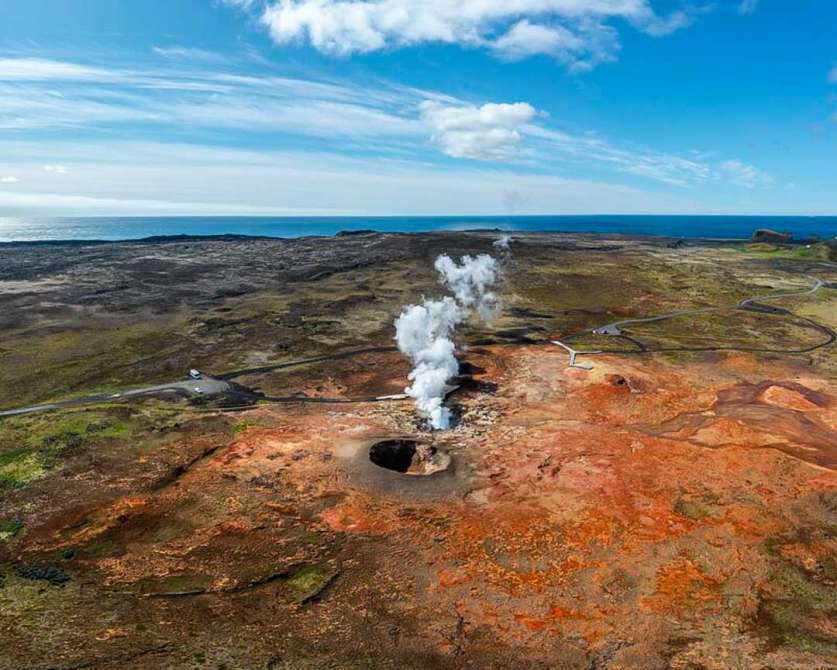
652	512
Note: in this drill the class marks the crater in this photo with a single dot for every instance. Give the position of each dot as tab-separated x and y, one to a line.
409	457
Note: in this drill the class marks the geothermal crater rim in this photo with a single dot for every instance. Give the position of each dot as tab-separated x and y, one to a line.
409	457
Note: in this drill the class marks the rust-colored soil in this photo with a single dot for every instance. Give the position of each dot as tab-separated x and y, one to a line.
642	513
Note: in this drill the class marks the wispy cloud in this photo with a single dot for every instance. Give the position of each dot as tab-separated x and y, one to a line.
39	69
380	117
57	204
188	53
747	6
204	98
744	174
378	120
9	179
832	76
681	170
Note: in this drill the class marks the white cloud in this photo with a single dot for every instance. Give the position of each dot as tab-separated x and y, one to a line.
575	31
832	76
55	169
490	132
580	50
747	6
9	179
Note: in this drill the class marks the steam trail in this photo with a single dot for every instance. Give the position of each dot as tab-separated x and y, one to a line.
503	243
424	332
472	283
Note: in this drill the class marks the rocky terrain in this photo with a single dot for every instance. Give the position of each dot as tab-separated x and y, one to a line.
673	507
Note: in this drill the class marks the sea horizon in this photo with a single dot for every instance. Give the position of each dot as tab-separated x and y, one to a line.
126	228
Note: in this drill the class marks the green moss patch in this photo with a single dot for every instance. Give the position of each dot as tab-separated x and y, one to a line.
308	582
31	446
241	427
20	467
10	528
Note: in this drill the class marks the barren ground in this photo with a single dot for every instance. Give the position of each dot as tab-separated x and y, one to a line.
671	508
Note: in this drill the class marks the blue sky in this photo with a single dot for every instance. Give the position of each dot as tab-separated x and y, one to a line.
332	107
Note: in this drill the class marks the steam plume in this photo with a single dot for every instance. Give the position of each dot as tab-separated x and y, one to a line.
503	243
424	332
472	283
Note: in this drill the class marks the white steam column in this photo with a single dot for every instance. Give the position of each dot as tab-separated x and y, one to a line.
425	332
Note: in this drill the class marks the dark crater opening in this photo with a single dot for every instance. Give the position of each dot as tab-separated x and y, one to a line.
409	457
394	455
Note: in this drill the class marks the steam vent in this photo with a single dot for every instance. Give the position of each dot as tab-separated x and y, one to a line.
412	452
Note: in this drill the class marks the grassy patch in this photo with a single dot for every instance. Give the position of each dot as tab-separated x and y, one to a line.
79	361
681	356
241	427
20	467
818	252
31	446
10	528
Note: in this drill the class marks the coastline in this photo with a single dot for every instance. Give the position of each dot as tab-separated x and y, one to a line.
227	237
95	230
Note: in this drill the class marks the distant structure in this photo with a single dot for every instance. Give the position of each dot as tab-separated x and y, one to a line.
573	353
767	235
611	330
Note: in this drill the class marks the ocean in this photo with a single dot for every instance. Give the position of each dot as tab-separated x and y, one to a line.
127	228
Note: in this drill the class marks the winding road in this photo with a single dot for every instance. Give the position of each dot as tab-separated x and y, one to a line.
614	329
205	386
213	386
